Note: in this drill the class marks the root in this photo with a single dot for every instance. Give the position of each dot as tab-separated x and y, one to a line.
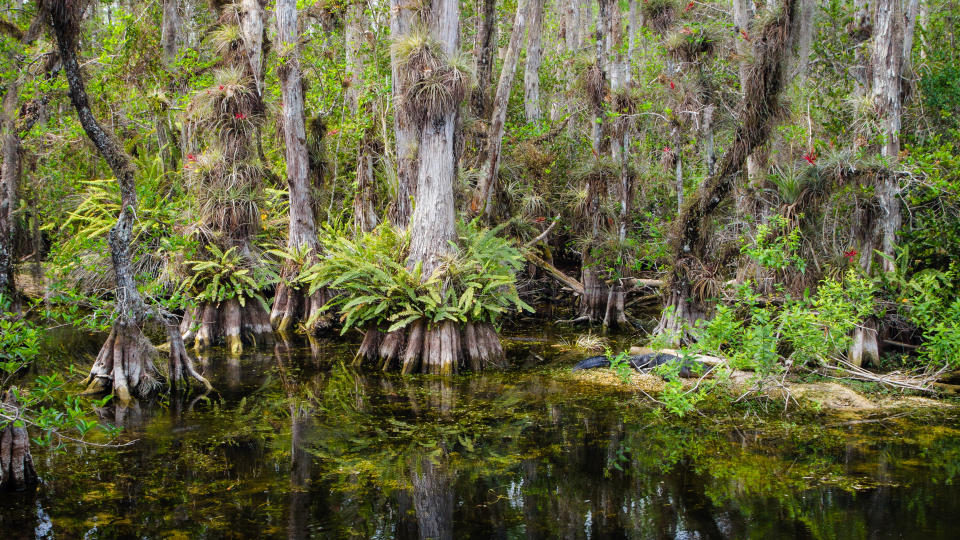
180	366
16	464
602	303
444	349
227	323
865	349
679	316
126	364
292	305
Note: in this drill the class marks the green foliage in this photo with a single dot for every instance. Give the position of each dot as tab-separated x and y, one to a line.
930	299
227	275
774	246
475	282
620	364
766	337
19	340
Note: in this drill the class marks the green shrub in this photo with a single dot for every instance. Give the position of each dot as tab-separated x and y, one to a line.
766	336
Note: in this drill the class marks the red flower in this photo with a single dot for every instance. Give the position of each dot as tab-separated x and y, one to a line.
810	157
191	157
240	116
689	6
666	149
744	34
221	87
672	86
850	254
333	132
540	219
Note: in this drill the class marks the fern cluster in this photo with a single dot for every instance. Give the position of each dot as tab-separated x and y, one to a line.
476	282
225	276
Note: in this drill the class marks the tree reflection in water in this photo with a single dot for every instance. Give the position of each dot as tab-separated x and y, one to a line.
299	445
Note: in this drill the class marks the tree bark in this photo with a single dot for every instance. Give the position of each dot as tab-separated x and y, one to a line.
293	303
484	47
125	362
531	72
16	464
491	163
231	221
887	68
742	16
11	168
401	21
170	30
355	58
441	348
433	500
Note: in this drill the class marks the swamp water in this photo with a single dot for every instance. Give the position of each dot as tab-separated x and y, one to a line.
293	444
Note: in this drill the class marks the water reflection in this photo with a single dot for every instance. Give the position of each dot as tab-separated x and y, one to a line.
296	444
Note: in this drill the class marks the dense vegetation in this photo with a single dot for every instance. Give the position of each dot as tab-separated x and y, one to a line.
783	176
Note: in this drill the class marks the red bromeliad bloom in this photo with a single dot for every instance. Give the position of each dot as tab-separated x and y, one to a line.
666	149
850	254
221	87
672	86
540	219
744	34
191	157
810	157
689	6
240	116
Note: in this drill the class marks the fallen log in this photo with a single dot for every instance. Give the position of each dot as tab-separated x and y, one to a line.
555	272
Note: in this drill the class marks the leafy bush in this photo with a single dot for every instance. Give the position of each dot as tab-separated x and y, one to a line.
766	336
774	246
476	282
19	340
929	299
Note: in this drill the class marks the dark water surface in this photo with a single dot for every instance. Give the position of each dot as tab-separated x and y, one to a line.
293	444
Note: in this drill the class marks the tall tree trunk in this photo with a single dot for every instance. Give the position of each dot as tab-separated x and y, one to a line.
355	58
12	168
433	500
742	16
364	210
9	188
293	303
765	81
401	21
888	60
125	362
485	45
531	72
633	28
170	30
438	349
233	222
807	12
481	203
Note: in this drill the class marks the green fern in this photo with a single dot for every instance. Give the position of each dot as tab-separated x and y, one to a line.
476	282
225	276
